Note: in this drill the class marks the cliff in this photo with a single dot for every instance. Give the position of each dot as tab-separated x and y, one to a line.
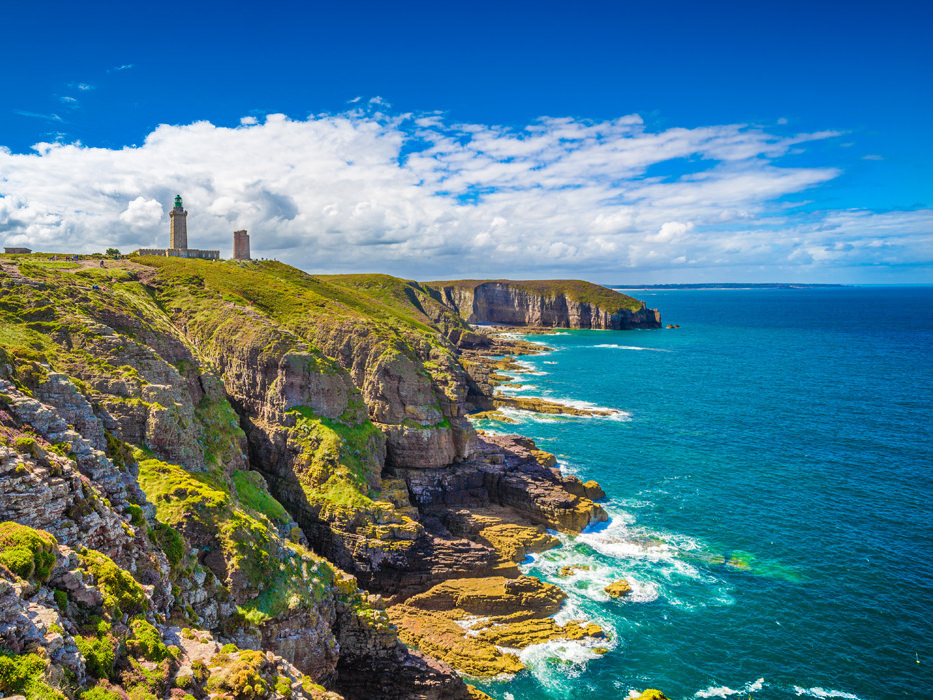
201	461
549	304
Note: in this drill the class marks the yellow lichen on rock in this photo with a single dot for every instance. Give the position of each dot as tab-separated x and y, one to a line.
652	694
514	542
433	633
618	589
468	622
544	458
519	635
476	693
571	570
492	415
524	596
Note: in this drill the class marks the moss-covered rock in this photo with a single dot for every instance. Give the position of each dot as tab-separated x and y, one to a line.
121	592
28	553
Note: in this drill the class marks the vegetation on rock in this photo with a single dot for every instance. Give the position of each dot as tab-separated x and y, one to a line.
26	552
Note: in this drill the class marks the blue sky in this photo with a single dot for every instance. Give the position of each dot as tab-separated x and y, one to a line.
778	140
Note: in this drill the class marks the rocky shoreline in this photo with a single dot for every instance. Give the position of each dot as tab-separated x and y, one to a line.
238	480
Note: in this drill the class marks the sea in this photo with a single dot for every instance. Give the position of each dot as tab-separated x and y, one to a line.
769	474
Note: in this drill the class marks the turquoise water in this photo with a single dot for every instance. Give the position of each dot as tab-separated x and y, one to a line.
769	486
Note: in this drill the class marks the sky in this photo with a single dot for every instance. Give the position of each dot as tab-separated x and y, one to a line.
615	141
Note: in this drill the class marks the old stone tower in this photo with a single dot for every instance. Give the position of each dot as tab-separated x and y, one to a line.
240	245
179	216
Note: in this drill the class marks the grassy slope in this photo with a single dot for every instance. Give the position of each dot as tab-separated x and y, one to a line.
44	325
294	298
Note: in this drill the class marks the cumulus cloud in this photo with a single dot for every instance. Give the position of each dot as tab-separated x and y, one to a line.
419	196
142	213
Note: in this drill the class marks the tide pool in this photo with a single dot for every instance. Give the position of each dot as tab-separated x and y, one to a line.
769	486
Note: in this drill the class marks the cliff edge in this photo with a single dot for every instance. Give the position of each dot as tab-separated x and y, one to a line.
545	303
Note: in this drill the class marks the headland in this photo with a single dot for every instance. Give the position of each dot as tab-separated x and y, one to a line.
236	479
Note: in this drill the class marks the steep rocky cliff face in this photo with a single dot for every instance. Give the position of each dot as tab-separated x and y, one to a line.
549	304
212	460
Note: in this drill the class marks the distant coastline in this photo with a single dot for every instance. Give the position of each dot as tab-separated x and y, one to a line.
725	285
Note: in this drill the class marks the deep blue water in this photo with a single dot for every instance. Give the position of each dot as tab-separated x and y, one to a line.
770	491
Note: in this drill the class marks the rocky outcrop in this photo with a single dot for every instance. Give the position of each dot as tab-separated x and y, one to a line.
549	304
469	622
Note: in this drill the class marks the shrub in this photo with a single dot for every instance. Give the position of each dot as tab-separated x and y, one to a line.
140	692
199	671
25	675
99	654
26	552
101	692
242	678
136	515
146	642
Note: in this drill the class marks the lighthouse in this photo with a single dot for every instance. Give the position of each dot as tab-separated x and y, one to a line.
179	238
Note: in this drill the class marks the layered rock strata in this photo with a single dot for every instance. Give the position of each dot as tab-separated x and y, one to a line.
551	303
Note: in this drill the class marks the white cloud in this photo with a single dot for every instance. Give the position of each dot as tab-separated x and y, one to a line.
421	197
37	115
142	213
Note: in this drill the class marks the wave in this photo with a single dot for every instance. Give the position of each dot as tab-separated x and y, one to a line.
823	693
628	347
723	691
716	692
510	387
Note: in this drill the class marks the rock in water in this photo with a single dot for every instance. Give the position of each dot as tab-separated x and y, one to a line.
619	589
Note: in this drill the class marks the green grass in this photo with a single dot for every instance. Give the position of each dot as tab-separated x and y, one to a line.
251	489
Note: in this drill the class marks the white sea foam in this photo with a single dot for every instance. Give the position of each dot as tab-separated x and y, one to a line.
470	622
507	387
527	367
520	416
723	691
549	362
823	693
717	692
573	657
629	347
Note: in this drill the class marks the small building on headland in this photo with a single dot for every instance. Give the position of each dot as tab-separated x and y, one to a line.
178	238
17	251
240	245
